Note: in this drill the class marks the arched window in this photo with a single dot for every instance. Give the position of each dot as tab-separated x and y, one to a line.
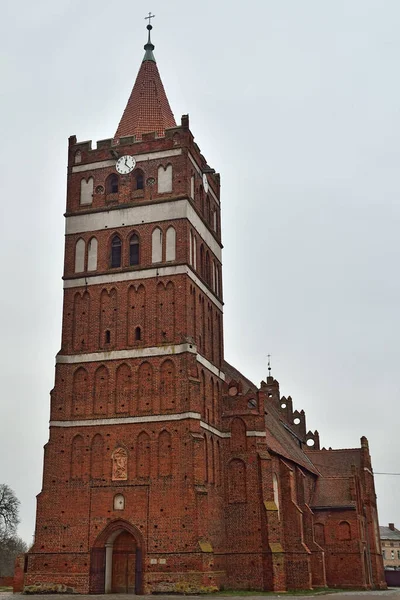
208	210
164	179
92	254
119	502
276	491
78	156
170	251
138	334
116	252
208	270
138	180
192	187
134	257
344	531
80	256
86	191
201	194
156	245
112	184
202	265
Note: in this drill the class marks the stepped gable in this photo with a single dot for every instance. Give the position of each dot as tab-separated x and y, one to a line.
282	441
148	108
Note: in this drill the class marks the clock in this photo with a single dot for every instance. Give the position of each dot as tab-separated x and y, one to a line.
125	164
205	183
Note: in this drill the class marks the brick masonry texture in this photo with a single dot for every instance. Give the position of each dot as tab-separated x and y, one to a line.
213	484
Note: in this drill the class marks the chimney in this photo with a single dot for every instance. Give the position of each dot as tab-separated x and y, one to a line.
391	526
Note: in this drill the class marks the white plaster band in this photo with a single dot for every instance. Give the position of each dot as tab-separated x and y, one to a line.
125	354
74	359
200	172
139	158
140	214
256	434
210	367
125	420
221	434
142	274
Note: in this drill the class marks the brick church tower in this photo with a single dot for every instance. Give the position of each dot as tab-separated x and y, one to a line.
166	469
138	377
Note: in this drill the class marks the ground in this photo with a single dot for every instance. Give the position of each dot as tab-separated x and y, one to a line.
391	594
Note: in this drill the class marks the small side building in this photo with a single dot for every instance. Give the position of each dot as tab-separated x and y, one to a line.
390	543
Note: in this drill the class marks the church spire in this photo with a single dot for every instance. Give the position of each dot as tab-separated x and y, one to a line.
148	108
149	47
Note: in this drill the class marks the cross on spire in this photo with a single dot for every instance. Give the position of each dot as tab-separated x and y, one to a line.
150	17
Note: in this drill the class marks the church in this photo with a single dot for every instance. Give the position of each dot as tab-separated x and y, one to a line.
166	469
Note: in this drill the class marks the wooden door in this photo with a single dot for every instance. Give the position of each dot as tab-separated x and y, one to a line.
124	564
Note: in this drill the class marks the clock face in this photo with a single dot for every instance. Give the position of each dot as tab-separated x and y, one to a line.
125	164
205	183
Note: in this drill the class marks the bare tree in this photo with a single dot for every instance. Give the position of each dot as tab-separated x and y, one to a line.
9	505
10	547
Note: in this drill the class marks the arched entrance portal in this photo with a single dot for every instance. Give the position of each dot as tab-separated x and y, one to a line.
116	561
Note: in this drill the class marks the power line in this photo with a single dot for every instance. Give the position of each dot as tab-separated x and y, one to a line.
377	473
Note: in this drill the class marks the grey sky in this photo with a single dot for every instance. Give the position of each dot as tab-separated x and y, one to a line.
297	104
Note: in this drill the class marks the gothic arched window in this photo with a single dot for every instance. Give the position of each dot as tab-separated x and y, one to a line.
139	180
134	256
116	252
112	184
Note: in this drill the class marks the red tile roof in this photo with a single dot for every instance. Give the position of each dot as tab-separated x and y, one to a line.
335	463
332	491
148	108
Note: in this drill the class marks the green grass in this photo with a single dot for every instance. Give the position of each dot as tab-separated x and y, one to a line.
5	589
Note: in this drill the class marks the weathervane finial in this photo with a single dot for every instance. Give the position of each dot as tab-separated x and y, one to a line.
269	365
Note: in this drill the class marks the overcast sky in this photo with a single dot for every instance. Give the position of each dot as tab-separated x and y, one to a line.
297	104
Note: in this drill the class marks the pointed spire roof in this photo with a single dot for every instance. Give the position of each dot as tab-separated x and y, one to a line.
148	108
